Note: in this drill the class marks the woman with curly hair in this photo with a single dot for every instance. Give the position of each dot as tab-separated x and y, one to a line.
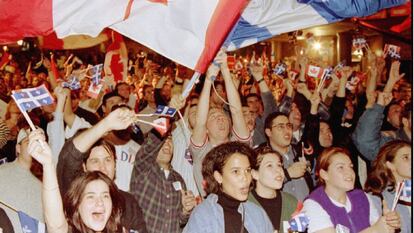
227	177
391	166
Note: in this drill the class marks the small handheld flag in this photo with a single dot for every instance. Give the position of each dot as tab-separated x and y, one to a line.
299	223
97	74
30	98
165	111
72	83
29	224
314	71
359	43
280	68
406	192
392	50
161	125
94	90
293	74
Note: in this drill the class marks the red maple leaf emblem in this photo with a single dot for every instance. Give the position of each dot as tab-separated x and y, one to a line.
314	70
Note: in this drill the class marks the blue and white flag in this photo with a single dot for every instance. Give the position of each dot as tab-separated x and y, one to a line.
165	111
263	19
299	223
73	83
30	98
280	68
30	225
406	193
97	74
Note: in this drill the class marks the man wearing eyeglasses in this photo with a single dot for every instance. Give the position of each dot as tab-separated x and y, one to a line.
278	130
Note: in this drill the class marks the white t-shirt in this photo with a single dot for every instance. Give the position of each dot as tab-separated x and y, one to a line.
125	159
319	218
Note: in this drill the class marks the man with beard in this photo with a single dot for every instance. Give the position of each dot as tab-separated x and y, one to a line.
105	147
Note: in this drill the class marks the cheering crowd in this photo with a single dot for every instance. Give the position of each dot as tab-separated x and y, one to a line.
257	146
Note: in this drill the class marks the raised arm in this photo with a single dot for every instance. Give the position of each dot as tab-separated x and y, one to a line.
239	124
119	119
200	129
56	128
52	201
395	76
367	135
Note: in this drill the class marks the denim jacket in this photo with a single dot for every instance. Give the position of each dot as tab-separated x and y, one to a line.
208	217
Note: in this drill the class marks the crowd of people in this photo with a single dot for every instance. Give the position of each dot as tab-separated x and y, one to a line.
248	149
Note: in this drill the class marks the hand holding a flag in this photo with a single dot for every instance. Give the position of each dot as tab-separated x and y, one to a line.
392	218
38	147
394	77
119	119
177	102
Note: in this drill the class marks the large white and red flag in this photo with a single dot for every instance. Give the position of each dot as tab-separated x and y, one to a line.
30	18
189	32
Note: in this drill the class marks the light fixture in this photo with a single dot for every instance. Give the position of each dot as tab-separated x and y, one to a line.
20	42
317	45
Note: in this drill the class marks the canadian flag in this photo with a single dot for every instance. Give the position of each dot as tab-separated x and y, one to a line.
161	125
314	71
51	41
189	32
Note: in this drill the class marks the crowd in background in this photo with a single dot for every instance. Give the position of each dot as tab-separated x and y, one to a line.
247	131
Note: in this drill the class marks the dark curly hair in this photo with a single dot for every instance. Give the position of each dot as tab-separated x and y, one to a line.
261	151
216	159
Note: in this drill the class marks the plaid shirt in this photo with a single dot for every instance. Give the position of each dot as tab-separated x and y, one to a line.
156	195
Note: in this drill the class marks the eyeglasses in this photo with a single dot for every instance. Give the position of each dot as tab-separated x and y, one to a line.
282	126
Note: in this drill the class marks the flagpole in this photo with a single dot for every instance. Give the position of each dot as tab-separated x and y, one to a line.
26	116
32	126
191	84
8	206
146	122
400	187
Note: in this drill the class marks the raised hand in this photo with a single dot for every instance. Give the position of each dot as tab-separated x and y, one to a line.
392	218
256	70
345	73
315	99
384	98
119	119
177	101
60	93
395	75
297	169
46	62
38	147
